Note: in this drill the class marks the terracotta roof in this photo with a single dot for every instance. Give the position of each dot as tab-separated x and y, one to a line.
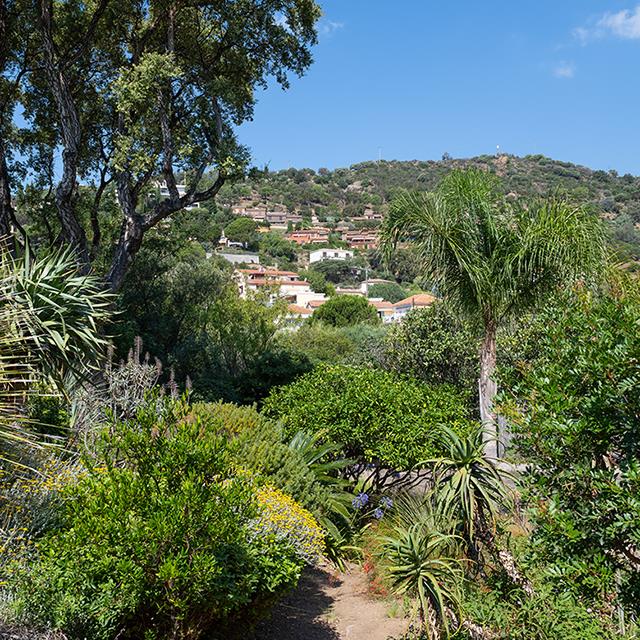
303	311
381	304
314	304
419	300
268	272
271	281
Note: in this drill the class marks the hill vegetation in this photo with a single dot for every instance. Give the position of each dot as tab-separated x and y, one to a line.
345	193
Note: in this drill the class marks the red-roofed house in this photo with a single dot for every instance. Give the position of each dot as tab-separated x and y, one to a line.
418	301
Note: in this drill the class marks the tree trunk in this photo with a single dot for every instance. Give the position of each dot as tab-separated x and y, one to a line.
6	209
71	135
487	391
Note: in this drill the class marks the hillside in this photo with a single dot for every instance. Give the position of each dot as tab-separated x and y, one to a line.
344	194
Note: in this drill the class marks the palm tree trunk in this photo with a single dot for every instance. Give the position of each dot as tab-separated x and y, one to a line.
487	390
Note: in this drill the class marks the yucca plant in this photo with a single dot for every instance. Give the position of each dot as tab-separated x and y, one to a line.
420	562
60	311
50	319
494	257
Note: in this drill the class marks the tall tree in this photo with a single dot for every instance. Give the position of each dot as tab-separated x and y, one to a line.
494	257
138	93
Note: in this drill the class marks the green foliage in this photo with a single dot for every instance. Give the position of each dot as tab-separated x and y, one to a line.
303	467
377	416
155	539
434	345
342	311
190	316
274	245
390	291
317	281
242	230
419	564
50	323
468	485
574	408
546	616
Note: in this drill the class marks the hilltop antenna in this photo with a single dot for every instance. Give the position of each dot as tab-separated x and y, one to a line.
497	150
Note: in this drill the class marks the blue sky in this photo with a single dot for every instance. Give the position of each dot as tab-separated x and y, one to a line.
412	79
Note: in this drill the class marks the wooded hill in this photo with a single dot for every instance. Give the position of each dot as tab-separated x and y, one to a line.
345	193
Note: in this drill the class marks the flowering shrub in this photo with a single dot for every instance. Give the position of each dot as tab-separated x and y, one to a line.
284	518
156	539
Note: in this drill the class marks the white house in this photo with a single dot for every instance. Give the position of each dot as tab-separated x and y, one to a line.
182	189
329	254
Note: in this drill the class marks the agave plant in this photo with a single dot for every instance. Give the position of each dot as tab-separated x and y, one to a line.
420	563
471	488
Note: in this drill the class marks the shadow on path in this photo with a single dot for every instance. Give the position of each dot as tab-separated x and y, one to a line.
297	617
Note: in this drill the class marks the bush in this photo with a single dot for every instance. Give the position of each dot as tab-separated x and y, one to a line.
574	409
434	345
161	537
377	416
343	311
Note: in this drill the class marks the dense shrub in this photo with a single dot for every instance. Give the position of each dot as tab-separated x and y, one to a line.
574	407
346	310
376	416
434	345
163	536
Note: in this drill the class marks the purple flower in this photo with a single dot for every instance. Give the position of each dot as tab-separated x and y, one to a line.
386	502
378	513
360	500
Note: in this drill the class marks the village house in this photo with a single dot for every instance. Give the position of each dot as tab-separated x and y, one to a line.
280	284
309	236
418	301
329	254
364	239
385	309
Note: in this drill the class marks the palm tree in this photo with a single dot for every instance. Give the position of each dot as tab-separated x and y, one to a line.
494	257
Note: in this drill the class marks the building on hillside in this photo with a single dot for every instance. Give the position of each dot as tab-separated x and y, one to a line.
182	189
363	239
296	314
238	258
365	284
225	242
276	217
418	301
385	309
329	254
309	236
344	291
279	284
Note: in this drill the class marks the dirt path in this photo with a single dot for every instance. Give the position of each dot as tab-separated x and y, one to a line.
330	606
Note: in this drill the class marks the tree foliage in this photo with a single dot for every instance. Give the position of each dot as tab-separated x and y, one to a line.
346	310
376	416
493	258
574	407
133	93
